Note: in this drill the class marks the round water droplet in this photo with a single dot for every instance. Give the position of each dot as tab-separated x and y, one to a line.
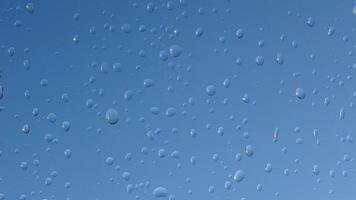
51	117
310	22
68	153
260	60
300	93
30	8
163	55
109	161
160	192
249	151
175	50
268	168
66	126
239	175
316	170
126	28
240	33
26	129
211	189
246	98
117	67
199	32
331	31
11	51
148	83
128	95
171	111
112	116
1	92
210	90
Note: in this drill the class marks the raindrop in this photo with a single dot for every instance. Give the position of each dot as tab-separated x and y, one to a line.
239	175
259	60
30	8
210	90
175	50
240	33
25	129
112	116
160	192
109	161
310	22
300	93
199	32
171	112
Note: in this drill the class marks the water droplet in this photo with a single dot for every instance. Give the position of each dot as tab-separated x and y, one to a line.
199	32
1	92
51	117
109	161
268	168
26	129
126	28
239	175
331	31
112	116
68	153
30	8
171	112
249	151
260	60
210	90
175	50
316	170
160	192
240	33
148	83
300	93
310	22
246	98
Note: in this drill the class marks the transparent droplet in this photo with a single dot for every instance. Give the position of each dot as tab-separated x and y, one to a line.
26	129
109	161
316	170
268	168
310	22
112	116
199	32
117	67
128	95
68	153
239	175
300	93
163	55
240	33
51	117
30	7
66	126
1	92
210	90
211	189
171	112
249	151
175	50
126	28
148	83
331	31
246	98
259	60
160	192
11	51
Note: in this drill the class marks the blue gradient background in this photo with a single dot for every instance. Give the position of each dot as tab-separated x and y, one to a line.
68	66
